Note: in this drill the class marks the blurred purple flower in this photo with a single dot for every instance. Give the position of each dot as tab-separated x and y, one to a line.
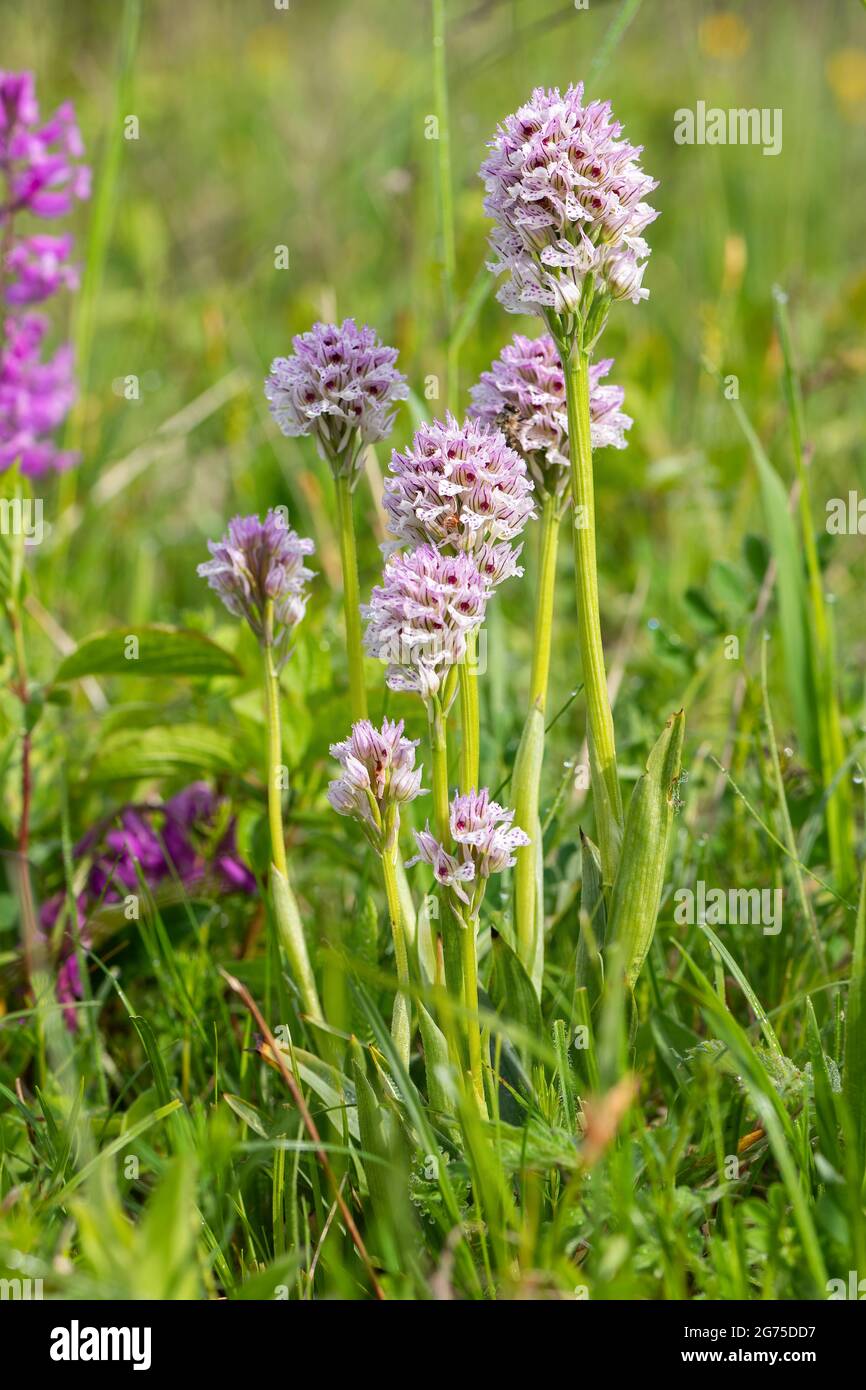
184	839
566	195
40	175
341	386
524	395
258	562
458	485
35	397
418	618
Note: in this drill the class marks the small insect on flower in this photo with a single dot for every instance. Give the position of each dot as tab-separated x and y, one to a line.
258	570
379	776
524	395
341	385
458	485
486	839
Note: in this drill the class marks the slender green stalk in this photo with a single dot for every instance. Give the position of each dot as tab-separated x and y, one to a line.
401	1018
469	938
351	597
600	735
526	780
288	917
449	952
470	716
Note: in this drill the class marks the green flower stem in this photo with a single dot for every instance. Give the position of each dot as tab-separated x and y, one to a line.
600	735
527	765
470	718
469	938
351	597
448	927
401	1018
289	925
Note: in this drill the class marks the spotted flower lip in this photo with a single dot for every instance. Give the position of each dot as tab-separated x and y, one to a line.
524	394
486	839
567	197
459	485
419	617
341	385
257	562
378	777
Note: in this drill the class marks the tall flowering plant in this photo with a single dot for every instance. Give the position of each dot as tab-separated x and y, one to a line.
41	176
341	386
258	571
567	196
524	394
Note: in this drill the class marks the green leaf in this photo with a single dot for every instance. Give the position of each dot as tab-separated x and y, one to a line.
636	895
512	991
855	1030
150	650
246	1112
163	750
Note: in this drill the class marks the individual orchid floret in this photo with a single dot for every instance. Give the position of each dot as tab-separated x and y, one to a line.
567	197
458	485
486	839
523	394
341	385
259	573
379	776
419	617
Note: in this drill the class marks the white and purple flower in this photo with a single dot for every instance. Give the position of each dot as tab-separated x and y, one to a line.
567	199
340	385
460	486
486	839
419	617
524	395
378	777
257	563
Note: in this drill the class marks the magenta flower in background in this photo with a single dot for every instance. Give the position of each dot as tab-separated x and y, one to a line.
257	563
419	617
486	839
35	397
378	777
566	195
341	385
461	486
524	395
41	177
178	840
